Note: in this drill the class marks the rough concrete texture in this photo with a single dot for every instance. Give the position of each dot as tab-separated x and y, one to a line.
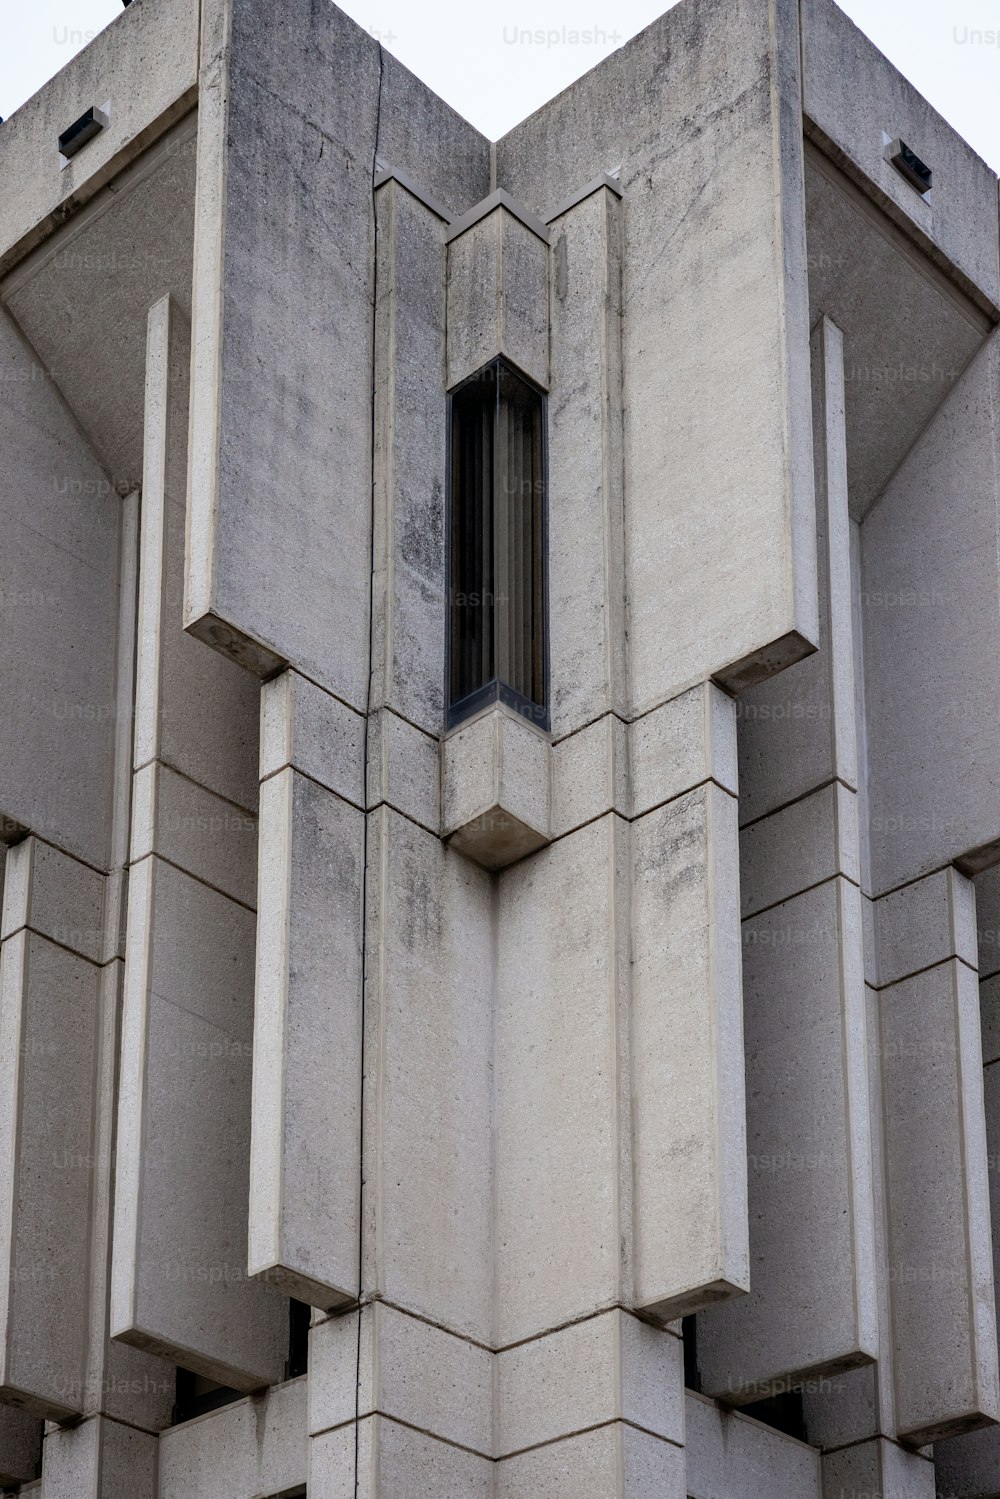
305	1125
442	1031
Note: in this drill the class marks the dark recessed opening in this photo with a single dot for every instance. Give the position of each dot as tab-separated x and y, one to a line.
497	631
908	164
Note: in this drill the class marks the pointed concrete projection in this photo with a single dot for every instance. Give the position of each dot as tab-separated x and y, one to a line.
943	1302
180	1286
59	516
49	1019
729	174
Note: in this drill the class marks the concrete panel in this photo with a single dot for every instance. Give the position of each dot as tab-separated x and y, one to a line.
498	295
404	768
428	1195
305	1162
590	775
925	922
879	1470
251	1448
811	1310
615	1461
798	730
179	1278
940	1250
47	1110
20	1445
856	98
805	843
55	896
729	1454
688	740
59	596
931	671
97	1458
399	1366
186	825
989	1014
408	670
702	112
423	135
303	726
379	1459
688	1123
609	1368
282	380
194	710
586	522
147	64
561	1192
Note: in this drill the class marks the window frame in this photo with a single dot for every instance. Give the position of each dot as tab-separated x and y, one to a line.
496	690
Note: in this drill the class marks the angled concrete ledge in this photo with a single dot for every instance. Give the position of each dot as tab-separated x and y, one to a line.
496	789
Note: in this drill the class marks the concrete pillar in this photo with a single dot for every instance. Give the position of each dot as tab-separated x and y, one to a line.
811	1311
179	1274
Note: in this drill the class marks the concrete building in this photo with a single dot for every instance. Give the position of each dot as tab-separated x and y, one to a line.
500	685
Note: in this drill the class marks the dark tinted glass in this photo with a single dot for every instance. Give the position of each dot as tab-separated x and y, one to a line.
497	614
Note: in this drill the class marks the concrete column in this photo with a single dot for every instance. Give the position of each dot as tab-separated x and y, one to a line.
937	1183
179	1274
811	1311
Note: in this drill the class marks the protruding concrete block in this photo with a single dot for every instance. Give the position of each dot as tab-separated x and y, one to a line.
611	1367
688	1123
97	1458
254	1446
562	1189
427	1201
498	293
616	1461
729	1454
811	1310
399	1366
682	743
940	1255
305	1165
404	768
496	790
179	1277
304	727
47	1109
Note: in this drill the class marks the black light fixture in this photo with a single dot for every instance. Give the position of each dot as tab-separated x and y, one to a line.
90	123
909	165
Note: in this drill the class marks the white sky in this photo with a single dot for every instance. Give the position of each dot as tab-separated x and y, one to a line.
478	59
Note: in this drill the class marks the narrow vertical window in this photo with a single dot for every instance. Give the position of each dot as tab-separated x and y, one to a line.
497	617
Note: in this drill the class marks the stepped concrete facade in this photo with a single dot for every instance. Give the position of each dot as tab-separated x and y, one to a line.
600	1101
